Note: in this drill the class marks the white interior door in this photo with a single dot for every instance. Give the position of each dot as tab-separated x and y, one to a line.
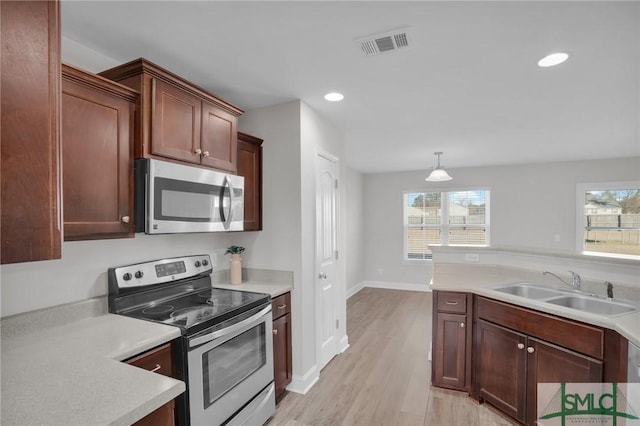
326	259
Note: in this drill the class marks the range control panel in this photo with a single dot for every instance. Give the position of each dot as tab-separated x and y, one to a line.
160	271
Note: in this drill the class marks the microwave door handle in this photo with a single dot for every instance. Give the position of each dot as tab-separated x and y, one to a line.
227	218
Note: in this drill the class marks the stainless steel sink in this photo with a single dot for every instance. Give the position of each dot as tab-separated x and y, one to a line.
530	291
582	302
593	305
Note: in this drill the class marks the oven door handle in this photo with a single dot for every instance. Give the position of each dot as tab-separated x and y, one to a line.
228	330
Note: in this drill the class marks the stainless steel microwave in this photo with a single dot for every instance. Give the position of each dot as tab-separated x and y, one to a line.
173	198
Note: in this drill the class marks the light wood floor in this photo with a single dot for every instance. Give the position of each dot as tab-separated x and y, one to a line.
384	376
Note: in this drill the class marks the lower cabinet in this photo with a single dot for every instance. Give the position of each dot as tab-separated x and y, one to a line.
513	355
451	340
281	307
159	360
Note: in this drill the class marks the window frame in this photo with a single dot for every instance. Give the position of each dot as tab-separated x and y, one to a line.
444	226
581	188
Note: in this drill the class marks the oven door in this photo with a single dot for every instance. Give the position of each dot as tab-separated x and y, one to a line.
180	198
229	368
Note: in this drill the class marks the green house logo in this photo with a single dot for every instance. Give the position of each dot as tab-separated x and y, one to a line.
588	403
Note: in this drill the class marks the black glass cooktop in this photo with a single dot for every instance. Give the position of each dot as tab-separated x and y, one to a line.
201	309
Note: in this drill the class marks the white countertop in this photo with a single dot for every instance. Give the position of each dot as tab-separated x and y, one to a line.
627	325
72	374
270	288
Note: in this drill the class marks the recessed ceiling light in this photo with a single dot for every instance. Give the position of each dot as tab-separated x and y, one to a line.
553	59
334	97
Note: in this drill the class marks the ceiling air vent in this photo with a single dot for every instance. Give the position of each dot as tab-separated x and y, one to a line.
386	42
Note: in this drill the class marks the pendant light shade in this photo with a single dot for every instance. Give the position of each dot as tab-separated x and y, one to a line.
438	174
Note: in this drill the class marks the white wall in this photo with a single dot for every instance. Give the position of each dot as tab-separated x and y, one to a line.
81	273
354	254
292	134
531	204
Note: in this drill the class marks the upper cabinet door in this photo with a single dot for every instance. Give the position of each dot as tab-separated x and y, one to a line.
219	138
178	120
30	133
97	147
175	118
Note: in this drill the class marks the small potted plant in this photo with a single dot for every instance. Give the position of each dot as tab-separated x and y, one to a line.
235	264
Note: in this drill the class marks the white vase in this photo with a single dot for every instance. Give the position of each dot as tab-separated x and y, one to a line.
236	269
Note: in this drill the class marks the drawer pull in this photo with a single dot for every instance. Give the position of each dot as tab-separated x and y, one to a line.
448	302
282	306
158	367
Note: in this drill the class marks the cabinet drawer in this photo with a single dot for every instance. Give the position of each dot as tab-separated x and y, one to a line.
452	302
158	360
281	305
577	336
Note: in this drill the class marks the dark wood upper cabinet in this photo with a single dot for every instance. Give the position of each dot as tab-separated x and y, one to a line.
177	120
97	147
30	165
250	167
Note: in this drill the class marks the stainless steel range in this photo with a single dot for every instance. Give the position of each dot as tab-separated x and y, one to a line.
225	354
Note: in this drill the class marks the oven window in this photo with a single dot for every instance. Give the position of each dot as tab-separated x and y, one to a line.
231	362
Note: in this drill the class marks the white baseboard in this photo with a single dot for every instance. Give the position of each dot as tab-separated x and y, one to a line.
397	286
302	384
344	343
356	288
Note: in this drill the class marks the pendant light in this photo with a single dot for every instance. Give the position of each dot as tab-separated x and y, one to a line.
438	174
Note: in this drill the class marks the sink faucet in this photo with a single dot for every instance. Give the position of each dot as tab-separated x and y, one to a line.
575	279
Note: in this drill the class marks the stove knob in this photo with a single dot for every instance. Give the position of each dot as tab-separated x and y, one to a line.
126	276
205	262
197	263
139	274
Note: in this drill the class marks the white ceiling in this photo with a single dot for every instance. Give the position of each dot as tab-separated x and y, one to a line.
468	85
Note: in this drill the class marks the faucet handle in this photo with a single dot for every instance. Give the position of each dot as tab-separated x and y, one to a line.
609	290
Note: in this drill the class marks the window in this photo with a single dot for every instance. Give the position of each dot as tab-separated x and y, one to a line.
609	218
447	218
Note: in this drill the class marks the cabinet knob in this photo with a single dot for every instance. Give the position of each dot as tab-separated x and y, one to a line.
461	325
275	331
530	350
205	154
520	345
125	219
198	151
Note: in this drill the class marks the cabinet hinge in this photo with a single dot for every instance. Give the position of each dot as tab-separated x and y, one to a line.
337	323
336	254
336	181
